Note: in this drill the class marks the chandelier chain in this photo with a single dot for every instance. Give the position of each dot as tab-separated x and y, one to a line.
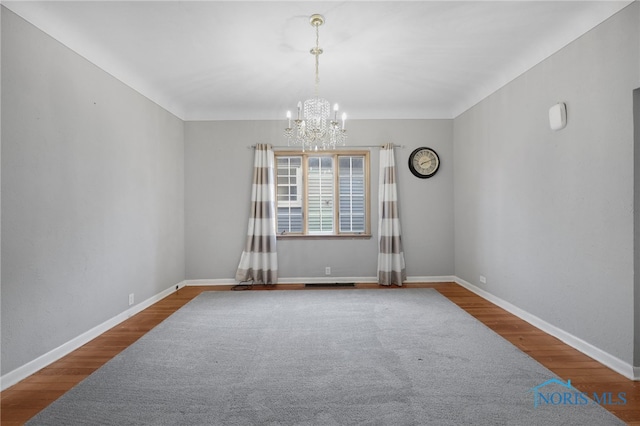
317	54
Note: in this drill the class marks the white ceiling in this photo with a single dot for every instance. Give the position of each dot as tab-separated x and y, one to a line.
214	60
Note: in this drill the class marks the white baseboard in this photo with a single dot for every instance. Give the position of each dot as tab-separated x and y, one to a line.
326	279
614	363
432	279
221	281
300	280
42	361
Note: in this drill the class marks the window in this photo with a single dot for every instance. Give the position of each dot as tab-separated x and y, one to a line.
323	194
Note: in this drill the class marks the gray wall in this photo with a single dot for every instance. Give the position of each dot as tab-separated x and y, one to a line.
218	171
547	216
92	195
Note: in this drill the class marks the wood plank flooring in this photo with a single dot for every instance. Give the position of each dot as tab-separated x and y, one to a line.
25	399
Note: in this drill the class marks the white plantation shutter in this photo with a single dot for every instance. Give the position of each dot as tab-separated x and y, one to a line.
320	195
351	183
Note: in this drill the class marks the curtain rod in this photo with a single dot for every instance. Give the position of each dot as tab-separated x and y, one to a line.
295	148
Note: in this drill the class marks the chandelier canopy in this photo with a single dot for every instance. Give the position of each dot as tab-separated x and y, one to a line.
313	127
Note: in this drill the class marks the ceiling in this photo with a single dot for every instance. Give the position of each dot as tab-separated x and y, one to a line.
235	60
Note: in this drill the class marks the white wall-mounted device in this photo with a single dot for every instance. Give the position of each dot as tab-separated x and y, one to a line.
558	116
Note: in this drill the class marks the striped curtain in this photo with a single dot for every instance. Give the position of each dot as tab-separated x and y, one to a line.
391	268
259	261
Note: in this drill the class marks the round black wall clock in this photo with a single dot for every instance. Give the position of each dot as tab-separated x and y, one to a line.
424	162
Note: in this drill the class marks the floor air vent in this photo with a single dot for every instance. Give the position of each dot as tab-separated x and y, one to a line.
330	285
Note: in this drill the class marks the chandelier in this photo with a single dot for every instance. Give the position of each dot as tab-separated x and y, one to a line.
313	127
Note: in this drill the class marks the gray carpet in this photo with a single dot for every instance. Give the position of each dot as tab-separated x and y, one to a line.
327	357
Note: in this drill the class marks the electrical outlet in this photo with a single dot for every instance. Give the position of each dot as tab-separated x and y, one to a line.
483	279
131	298
327	270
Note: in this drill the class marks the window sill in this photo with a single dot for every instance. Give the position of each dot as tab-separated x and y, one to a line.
323	237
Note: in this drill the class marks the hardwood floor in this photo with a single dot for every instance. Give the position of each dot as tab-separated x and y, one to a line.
25	399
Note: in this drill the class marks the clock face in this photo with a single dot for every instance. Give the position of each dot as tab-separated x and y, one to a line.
424	162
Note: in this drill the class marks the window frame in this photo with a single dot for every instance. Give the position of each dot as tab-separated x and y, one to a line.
299	196
335	154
